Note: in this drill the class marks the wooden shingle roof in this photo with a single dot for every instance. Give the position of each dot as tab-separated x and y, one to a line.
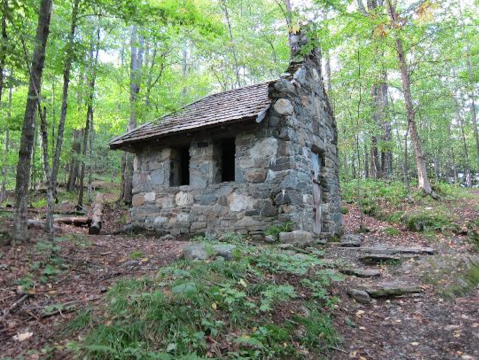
217	109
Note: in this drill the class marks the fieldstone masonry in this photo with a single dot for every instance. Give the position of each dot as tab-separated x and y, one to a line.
273	166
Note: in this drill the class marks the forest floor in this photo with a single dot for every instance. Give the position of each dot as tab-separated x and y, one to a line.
44	286
440	323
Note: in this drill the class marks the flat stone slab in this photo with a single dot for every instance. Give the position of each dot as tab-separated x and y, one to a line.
398	250
362	273
351	241
390	289
377	259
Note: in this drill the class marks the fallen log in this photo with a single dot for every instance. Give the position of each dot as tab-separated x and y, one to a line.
73	220
68	220
96	219
38	224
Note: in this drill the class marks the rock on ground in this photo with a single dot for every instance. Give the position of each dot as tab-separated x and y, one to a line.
390	289
360	296
382	250
206	251
270	239
297	237
362	273
376	259
351	240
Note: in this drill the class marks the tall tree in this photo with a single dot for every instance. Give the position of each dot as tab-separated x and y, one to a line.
66	82
28	128
471	87
3	48
232	42
93	56
136	62
423	178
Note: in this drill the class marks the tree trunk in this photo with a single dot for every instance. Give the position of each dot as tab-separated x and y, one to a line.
379	95
406	169
386	154
86	132
74	162
28	128
48	175
3	190
89	114
90	154
136	64
423	178
150	76
66	81
366	162
472	96
3	48
232	44
467	166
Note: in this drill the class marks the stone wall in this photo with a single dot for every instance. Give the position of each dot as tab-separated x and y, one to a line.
249	205
273	167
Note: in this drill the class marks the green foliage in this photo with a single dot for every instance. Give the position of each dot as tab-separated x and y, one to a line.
40	203
208	238
389	202
136	255
82	319
391	231
427	220
372	192
231	302
276	229
26	282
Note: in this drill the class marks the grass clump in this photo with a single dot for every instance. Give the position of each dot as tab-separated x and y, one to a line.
276	229
266	305
391	231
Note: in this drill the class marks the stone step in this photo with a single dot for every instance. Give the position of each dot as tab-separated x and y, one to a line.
398	250
390	289
362	273
377	259
350	241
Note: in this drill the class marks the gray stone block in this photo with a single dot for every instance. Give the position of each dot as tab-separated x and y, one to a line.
297	237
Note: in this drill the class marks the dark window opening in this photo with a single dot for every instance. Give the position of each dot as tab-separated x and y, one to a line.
180	167
185	166
228	156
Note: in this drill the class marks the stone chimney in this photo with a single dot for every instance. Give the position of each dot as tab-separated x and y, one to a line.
304	47
302	121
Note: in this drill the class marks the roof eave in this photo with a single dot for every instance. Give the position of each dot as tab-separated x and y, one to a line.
129	145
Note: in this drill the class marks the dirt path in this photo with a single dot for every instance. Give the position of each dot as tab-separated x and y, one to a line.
423	326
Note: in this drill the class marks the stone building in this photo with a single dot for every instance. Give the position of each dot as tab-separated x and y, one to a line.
242	160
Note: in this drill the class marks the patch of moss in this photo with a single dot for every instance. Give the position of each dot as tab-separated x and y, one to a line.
426	220
391	231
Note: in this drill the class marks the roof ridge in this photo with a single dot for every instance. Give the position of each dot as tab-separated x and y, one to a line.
204	97
242	95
